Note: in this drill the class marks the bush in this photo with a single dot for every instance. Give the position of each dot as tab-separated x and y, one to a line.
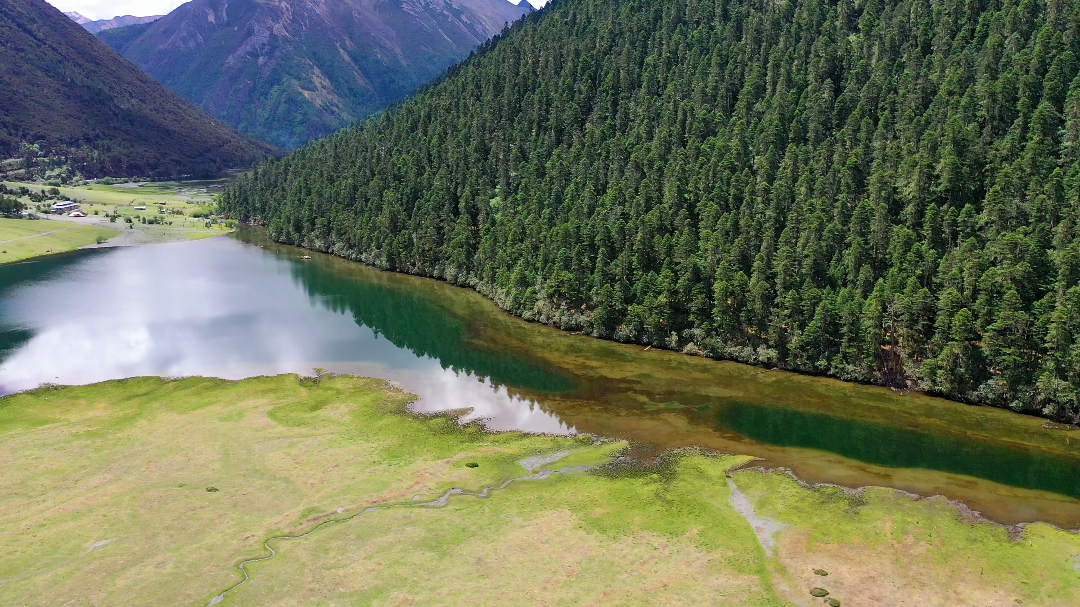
10	207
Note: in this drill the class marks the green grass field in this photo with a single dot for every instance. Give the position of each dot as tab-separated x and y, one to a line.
149	492
23	238
142	193
172	204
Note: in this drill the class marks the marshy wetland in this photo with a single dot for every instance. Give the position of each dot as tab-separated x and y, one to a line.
242	307
155	491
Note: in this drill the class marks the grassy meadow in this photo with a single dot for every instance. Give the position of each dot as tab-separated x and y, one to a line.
22	239
150	491
174	210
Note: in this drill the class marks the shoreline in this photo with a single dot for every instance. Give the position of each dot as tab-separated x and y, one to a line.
692	510
627	454
667	401
697	353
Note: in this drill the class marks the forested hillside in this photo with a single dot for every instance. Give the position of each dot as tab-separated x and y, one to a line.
883	190
69	102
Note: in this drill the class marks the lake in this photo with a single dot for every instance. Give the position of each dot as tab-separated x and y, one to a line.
241	306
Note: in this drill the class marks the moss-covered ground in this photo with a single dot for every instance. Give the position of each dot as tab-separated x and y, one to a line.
149	492
22	238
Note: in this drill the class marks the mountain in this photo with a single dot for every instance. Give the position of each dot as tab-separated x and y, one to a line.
69	99
107	24
287	72
78	18
884	191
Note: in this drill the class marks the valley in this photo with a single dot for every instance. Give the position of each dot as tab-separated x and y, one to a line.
69	103
457	302
290	72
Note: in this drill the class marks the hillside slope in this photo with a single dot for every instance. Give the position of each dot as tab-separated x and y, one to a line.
79	102
885	192
289	72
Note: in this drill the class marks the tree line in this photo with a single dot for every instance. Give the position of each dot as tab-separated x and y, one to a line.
882	191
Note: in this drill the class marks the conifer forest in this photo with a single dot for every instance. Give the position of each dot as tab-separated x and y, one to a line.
882	191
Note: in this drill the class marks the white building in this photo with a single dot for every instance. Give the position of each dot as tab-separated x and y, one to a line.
65	206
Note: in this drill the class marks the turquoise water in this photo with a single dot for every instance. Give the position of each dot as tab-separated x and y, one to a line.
899	447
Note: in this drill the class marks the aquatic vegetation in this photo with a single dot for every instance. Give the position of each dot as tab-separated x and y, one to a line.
912	441
880	544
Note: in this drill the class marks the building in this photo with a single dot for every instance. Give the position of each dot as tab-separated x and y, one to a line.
65	206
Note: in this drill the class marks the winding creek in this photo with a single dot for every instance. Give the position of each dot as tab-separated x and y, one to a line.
439	502
241	306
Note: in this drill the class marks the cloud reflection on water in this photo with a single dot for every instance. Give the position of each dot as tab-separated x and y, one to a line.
494	405
217	308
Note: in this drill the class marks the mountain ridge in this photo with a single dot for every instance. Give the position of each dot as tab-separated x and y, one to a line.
78	17
100	25
289	72
66	98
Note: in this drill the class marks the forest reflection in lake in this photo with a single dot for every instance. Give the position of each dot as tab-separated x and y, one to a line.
236	307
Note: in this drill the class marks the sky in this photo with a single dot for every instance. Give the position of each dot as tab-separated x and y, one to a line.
107	9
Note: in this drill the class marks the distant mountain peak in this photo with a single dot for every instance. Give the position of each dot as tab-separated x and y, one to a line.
77	18
101	25
288	71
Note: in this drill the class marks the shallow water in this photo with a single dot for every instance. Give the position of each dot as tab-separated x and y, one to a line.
237	307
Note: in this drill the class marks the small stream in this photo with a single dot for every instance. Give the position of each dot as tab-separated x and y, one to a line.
530	464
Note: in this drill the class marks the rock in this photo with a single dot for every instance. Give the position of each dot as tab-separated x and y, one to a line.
819	592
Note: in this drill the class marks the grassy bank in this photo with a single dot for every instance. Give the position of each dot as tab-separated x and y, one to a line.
23	238
148	491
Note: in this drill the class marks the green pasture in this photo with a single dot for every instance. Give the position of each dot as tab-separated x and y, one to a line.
173	210
23	238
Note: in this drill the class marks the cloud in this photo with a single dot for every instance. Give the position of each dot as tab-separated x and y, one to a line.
107	9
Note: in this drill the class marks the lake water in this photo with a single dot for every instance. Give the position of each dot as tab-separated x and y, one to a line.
241	306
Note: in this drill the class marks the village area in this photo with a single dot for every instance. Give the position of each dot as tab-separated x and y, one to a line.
56	219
